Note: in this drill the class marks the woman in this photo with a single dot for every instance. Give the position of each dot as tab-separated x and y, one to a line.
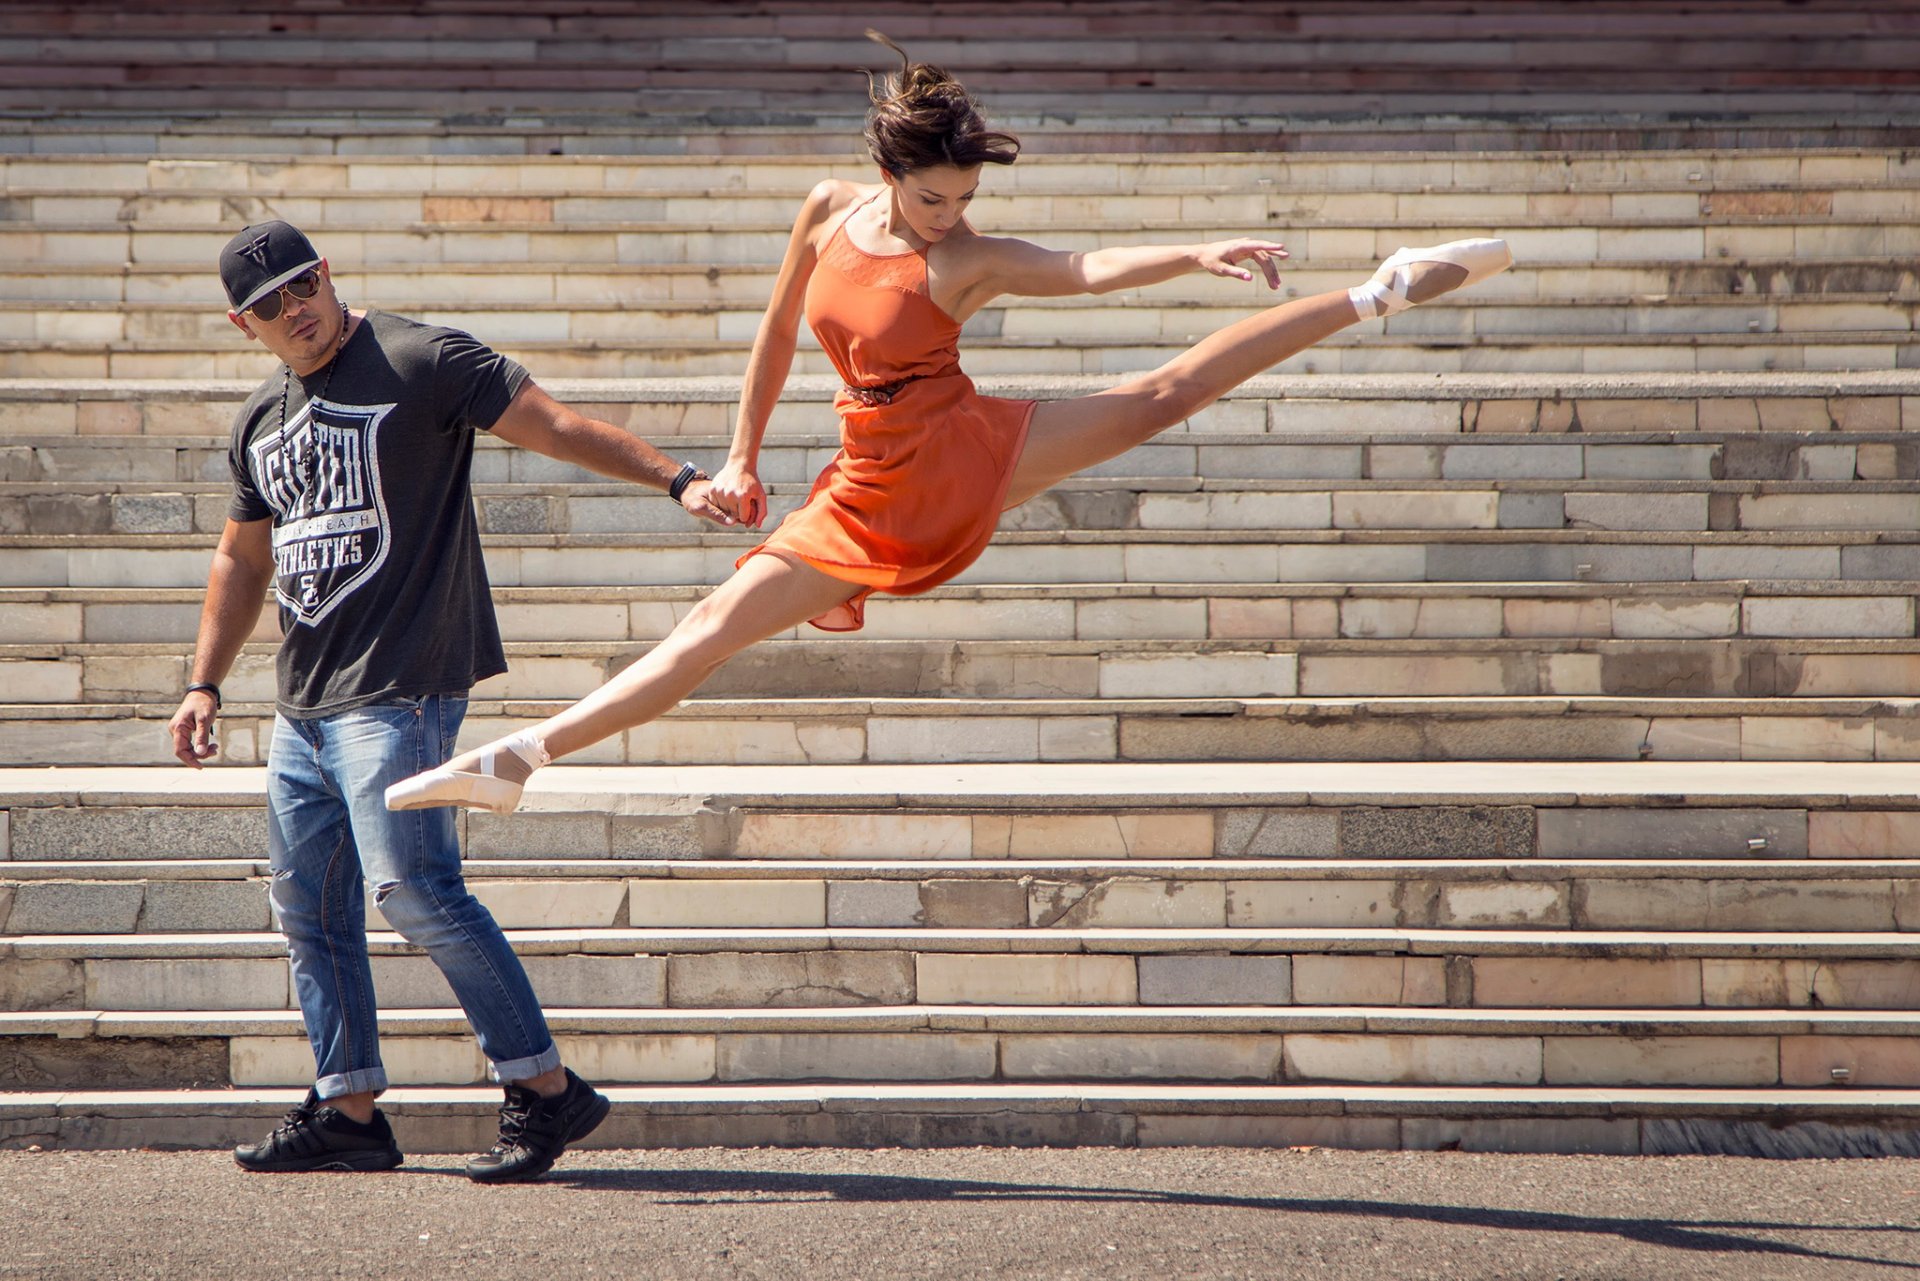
887	274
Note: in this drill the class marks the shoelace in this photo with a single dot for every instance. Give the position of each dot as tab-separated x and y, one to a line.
295	1129
513	1125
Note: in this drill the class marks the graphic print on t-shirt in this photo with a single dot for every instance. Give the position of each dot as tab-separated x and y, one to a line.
328	542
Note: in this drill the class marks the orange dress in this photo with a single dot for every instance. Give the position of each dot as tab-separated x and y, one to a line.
915	492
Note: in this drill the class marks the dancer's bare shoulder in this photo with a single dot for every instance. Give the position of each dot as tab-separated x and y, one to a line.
829	198
972	269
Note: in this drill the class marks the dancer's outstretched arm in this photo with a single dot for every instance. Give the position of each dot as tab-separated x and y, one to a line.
737	489
982	268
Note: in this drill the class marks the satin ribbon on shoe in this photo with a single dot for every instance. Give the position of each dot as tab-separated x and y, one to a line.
1386	293
503	770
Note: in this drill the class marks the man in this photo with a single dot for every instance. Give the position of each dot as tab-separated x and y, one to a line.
351	472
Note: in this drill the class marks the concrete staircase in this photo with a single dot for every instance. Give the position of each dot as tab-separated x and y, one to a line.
1493	729
1360	956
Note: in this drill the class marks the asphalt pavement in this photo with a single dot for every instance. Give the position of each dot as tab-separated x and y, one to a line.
824	1214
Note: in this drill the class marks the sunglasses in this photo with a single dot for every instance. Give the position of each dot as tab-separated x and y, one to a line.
303	286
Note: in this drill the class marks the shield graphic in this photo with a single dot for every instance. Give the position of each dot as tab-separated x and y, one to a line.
321	475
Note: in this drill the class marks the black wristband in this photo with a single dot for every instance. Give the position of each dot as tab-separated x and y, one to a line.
214	690
688	474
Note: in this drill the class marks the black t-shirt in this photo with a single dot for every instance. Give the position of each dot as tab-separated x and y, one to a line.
379	576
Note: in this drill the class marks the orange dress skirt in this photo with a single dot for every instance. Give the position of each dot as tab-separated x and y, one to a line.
917	488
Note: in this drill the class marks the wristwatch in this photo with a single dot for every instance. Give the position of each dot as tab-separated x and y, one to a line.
688	474
210	688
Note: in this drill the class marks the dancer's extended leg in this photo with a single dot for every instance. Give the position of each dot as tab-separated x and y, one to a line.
765	596
1069	436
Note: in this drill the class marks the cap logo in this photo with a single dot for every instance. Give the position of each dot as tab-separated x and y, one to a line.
256	249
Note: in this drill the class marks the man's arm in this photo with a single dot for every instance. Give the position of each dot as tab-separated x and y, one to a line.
536	421
236	588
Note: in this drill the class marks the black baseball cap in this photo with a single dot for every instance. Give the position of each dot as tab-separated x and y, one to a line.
263	257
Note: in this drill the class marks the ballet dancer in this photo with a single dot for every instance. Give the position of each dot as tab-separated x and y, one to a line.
887	273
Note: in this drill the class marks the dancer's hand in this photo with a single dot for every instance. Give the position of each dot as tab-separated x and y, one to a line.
192	729
739	493
697	498
1220	257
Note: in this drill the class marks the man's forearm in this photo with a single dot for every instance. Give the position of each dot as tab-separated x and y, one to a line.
235	594
604	448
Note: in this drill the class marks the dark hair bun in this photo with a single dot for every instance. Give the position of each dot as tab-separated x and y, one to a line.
922	117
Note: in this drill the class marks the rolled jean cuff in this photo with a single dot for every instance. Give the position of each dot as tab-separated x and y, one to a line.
526	1069
358	1081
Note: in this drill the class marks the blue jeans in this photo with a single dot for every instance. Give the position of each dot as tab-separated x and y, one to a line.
328	828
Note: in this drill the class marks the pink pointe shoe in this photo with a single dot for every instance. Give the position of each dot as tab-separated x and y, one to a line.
1386	293
494	783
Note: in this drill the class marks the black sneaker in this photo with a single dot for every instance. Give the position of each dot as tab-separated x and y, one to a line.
535	1131
316	1137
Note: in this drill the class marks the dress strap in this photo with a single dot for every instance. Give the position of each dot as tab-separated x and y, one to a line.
847	217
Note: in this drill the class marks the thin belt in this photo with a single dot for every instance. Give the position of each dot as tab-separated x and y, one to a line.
883	393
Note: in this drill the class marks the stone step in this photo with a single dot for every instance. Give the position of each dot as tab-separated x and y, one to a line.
1301	1046
435	188
1746	182
1570	353
1538	240
816	731
148	623
1364	810
1461	125
795	26
410	288
1353	668
1782	100
1774	1122
1093	57
1818	896
1721	411
785	968
390	204
1641	504
164	327
1094	556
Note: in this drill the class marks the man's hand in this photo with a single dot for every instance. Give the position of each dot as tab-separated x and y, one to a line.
192	728
697	498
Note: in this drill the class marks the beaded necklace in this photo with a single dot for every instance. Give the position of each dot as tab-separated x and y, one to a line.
311	460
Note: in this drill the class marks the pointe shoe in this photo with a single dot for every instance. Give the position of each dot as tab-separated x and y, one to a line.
503	770
1386	293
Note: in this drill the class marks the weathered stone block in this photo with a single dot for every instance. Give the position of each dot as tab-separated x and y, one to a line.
42	985
1413	1060
746	904
76	907
1128	903
1671	833
1534	982
176	907
140	832
874	904
1312	904
1355	1133
1369	980
113	1063
188	984
847	1056
1691	1061
994	979
629	1058
973	904
1216	980
1437	831
789	979
1208	1057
